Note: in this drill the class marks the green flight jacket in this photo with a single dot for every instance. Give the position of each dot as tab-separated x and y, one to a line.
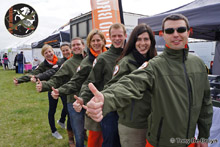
180	92
63	75
78	79
135	113
44	66
100	74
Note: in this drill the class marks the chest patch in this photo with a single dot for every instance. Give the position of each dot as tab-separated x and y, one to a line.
55	66
116	70
94	63
144	65
78	69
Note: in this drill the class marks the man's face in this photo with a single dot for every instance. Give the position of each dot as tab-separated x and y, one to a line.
175	40
66	51
77	46
118	37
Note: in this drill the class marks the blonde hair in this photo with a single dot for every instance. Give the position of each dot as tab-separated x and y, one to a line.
92	33
44	48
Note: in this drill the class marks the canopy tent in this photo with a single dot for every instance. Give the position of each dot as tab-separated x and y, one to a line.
54	40
203	16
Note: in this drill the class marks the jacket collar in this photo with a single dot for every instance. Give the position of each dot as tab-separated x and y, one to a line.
115	50
181	54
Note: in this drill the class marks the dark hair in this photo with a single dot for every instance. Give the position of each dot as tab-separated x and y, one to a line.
175	17
65	44
130	45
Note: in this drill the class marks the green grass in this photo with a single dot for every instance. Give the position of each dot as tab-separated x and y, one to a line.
23	115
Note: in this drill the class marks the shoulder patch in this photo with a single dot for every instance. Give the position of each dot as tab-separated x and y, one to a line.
94	63
144	65
55	66
116	70
78	69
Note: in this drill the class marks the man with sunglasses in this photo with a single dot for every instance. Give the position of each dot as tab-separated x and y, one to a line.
180	92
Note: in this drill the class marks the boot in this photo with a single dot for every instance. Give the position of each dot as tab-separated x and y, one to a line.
71	138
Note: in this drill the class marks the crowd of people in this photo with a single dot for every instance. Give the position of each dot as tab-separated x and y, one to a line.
128	95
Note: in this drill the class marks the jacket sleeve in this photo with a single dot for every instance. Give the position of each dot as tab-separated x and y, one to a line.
206	113
129	87
26	78
75	83
50	72
58	79
95	77
47	74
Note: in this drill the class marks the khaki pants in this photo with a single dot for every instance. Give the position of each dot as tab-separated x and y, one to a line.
131	137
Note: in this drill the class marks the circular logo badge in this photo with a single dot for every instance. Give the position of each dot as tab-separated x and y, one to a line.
21	20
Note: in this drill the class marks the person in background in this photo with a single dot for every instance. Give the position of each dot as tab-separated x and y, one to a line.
16	63
179	85
5	54
21	60
5	62
36	62
62	76
96	45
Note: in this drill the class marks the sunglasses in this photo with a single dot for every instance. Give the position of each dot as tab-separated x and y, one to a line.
179	30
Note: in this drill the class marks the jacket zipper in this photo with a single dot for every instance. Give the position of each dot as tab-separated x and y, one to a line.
159	131
189	94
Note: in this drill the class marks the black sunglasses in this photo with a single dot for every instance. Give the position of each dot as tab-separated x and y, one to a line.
179	30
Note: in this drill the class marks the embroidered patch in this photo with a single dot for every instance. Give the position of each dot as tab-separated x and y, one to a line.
55	66
78	69
144	65
94	63
116	70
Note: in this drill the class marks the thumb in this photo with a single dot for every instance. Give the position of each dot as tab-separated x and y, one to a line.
84	106
38	81
79	100
97	94
55	90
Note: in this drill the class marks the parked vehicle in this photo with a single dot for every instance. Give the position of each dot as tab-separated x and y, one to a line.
214	81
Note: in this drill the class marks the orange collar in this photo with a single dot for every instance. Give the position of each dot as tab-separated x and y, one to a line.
95	53
54	61
186	46
70	56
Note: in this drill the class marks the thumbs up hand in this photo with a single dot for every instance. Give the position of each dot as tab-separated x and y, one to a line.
55	93
15	81
77	105
39	85
94	106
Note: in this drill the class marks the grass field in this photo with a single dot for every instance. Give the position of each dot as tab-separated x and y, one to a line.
23	115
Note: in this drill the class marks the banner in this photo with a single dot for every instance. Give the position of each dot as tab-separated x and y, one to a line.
104	14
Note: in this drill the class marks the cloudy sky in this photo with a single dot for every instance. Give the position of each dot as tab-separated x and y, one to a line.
53	14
